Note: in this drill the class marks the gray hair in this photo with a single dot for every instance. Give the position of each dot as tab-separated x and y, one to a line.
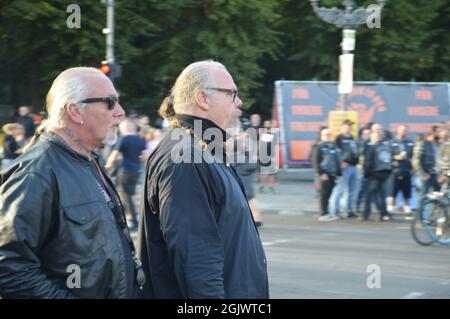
70	86
194	77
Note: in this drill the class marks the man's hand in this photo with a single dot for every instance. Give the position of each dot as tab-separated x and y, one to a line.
324	177
19	138
400	156
113	157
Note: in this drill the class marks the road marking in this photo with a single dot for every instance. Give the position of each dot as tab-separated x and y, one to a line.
279	241
413	295
328	234
291	212
402	227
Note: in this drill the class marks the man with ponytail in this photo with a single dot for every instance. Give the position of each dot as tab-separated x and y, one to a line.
197	237
63	232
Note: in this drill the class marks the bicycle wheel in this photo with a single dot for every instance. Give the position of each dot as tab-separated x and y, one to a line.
443	227
423	227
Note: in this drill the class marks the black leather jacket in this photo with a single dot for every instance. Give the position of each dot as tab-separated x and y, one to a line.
54	219
326	159
427	158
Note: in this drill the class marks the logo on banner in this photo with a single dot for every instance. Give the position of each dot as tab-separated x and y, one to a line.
366	102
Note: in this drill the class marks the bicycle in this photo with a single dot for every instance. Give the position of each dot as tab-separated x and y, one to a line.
431	224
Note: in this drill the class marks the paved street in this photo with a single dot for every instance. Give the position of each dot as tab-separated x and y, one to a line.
312	259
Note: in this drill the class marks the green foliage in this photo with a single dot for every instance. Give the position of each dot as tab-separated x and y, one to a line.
237	33
259	42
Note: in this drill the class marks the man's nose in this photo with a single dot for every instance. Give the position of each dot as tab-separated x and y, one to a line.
119	111
239	102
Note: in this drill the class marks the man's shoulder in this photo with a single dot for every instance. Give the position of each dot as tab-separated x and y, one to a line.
186	153
344	137
131	139
323	144
34	161
180	139
38	153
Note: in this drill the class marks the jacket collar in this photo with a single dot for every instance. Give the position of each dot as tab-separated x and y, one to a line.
200	126
54	138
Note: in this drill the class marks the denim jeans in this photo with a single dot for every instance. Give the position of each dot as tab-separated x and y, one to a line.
344	190
361	190
425	187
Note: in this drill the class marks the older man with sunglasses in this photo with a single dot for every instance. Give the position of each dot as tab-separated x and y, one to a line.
63	232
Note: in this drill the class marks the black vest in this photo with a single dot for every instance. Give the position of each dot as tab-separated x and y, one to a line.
330	158
383	157
428	157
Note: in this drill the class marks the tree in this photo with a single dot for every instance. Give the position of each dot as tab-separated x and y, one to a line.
412	44
259	41
36	44
237	33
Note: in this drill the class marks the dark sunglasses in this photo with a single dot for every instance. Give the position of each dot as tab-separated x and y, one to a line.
110	101
233	91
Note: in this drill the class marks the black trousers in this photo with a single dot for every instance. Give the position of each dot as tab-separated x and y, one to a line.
376	192
127	184
326	188
402	184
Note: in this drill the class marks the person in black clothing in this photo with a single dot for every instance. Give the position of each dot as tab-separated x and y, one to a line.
443	161
363	145
62	227
255	121
245	162
367	126
197	237
377	168
312	158
25	118
131	149
424	163
402	152
346	188
266	153
326	163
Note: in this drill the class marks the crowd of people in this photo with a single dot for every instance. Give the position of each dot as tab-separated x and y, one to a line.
17	133
376	168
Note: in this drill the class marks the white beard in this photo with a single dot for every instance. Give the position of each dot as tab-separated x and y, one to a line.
235	123
111	138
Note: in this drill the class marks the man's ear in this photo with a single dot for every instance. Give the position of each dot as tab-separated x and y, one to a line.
202	99
73	113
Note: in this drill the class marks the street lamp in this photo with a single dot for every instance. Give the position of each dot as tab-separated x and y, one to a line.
347	19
